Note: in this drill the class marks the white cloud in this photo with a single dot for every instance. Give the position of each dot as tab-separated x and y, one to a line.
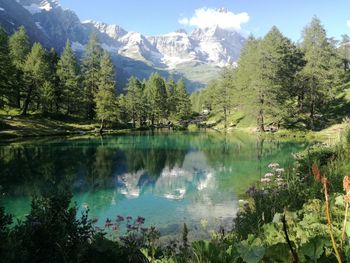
208	17
348	23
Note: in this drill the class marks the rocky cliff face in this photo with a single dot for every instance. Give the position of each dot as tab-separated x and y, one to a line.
49	23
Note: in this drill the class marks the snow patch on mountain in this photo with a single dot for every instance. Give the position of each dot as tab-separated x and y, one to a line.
77	47
39	6
113	31
39	26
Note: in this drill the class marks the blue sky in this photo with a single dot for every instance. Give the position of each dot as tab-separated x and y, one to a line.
154	17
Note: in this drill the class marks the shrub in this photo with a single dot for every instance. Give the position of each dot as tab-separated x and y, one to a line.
192	128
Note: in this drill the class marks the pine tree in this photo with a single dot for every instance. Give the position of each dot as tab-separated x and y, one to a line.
266	76
53	59
6	71
90	73
248	84
222	94
47	96
67	70
171	97
344	52
134	100
321	73
156	98
105	97
280	61
183	102
36	70
19	50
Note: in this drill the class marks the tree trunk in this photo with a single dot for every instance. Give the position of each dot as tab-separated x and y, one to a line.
18	98
27	101
261	114
312	116
225	117
102	126
261	120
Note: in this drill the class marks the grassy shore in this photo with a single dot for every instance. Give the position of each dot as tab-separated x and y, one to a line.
13	125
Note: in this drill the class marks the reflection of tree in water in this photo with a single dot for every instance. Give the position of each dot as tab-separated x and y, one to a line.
88	164
83	164
241	161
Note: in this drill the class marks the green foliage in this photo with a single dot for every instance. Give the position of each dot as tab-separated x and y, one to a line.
36	70
182	101
192	127
47	96
69	92
7	71
347	135
19	49
321	74
156	97
90	68
105	98
135	101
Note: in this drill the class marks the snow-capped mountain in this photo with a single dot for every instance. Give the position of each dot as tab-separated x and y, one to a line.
135	54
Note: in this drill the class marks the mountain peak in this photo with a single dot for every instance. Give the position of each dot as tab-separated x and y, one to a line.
113	31
37	6
181	31
222	10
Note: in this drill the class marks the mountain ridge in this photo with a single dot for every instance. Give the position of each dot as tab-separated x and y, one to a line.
176	53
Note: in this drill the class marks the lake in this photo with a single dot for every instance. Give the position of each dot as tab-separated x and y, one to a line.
169	178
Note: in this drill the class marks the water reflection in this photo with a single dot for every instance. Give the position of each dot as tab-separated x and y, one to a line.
169	178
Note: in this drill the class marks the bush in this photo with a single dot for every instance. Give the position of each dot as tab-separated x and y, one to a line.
347	135
192	128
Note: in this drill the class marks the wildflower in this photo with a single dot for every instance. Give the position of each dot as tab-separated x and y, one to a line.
347	198
346	184
251	190
265	180
316	173
279	180
280	184
273	165
279	170
119	219
140	220
268	175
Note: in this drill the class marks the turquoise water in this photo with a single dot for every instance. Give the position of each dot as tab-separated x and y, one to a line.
168	178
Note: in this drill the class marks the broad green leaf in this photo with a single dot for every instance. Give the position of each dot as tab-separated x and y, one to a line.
348	229
314	248
339	200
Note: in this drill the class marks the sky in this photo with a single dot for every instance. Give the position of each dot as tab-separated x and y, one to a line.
156	17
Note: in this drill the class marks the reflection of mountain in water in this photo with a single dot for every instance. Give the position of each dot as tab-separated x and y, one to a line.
172	182
167	178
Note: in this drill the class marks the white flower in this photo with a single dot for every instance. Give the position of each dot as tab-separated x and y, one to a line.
280	183
273	165
268	175
265	180
279	170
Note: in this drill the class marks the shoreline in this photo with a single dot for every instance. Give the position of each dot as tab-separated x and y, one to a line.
18	127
